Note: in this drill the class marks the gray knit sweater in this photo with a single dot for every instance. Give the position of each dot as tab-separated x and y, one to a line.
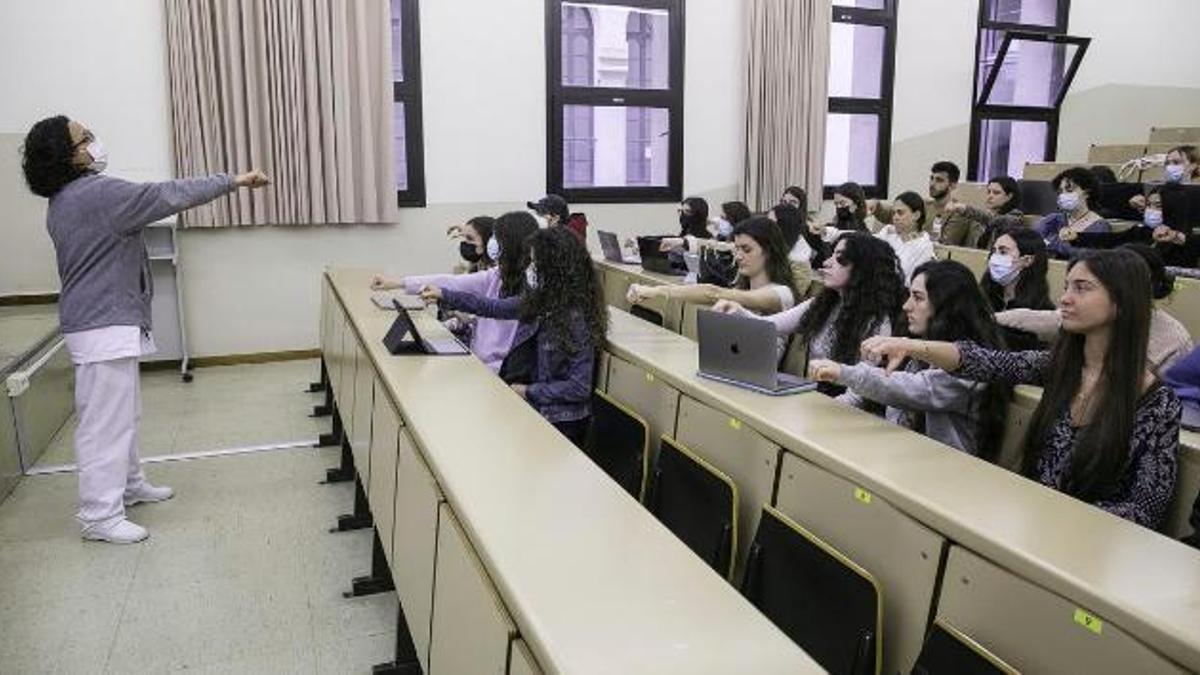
96	224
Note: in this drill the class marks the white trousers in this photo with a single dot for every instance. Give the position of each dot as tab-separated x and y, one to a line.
109	404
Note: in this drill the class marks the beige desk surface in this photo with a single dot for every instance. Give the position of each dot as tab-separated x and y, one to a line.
1144	582
639	275
592	580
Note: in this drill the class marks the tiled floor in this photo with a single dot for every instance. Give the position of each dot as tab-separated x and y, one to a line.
240	574
223	407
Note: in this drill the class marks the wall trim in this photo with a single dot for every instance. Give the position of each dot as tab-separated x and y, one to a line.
235	359
28	299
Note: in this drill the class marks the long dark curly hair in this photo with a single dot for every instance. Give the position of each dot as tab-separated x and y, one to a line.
567	288
874	294
960	312
511	230
47	157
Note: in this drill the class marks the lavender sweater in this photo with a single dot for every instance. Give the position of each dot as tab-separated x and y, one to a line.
492	338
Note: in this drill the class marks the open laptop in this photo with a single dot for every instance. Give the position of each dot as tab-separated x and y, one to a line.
388	299
611	247
741	351
654	259
404	338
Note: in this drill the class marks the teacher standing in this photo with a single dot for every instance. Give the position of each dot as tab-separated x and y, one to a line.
96	223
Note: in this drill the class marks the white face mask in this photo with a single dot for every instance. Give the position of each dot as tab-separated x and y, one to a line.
493	249
1153	217
1068	201
99	156
724	228
1173	173
531	278
1002	269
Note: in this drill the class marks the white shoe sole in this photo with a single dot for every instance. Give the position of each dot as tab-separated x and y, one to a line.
135	502
110	540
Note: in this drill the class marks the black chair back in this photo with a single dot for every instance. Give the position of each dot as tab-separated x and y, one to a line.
949	652
619	443
828	605
646	314
697	502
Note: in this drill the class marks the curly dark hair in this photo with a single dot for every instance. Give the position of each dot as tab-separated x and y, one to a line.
47	157
960	312
874	294
511	230
568	287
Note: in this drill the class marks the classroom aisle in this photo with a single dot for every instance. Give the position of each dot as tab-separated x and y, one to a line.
223	407
240	574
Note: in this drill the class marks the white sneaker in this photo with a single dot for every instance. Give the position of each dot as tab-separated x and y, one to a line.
147	494
120	532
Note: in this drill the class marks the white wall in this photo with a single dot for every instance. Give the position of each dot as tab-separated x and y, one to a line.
255	289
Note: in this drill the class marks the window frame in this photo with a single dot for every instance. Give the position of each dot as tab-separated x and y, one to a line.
982	112
409	93
883	106
558	96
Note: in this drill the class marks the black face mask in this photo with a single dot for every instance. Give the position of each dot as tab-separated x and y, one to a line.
468	252
689	222
844	214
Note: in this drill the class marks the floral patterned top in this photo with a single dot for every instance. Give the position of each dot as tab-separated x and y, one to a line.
1145	490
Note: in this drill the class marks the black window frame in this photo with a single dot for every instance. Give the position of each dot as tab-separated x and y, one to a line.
409	93
671	98
982	112
881	107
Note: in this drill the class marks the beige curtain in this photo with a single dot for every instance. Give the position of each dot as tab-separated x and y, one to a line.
298	88
787	63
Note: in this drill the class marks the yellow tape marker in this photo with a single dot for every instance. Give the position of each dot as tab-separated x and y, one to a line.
735	424
1089	621
862	495
649	377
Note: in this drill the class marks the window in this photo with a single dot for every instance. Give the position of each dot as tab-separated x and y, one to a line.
615	100
858	130
1024	66
407	145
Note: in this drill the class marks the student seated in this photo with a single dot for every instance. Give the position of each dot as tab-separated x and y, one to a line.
553	210
850	209
473	236
1169	339
1182	165
1184	380
562	323
1077	188
1106	430
943	227
732	213
1016	279
907	233
1003	198
490	338
806	248
1172	229
764	283
944	304
695	227
861	295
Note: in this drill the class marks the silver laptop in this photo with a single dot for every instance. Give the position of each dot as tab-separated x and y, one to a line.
611	247
741	351
385	300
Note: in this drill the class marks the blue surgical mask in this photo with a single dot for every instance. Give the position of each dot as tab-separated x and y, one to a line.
99	156
1153	217
1068	201
493	249
531	278
724	228
1002	269
1173	173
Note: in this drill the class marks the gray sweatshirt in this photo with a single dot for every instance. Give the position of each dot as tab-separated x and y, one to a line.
96	224
950	404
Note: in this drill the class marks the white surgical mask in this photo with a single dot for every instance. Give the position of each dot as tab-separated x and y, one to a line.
1173	173
1153	217
493	249
724	228
1002	269
531	278
99	156
1068	201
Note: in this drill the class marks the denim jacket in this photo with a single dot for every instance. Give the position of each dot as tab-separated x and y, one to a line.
561	386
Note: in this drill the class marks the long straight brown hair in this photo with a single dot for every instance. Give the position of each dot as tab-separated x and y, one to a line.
1101	452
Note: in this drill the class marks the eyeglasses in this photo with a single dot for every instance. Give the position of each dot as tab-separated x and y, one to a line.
88	137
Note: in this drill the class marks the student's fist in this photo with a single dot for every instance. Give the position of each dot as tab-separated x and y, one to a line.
637	293
382	282
431	294
823	370
1138	202
252	179
728	307
889	350
1068	234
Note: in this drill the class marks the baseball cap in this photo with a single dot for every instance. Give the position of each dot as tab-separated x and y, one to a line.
551	205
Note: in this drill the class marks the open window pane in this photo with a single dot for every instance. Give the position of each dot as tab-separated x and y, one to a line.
614	46
400	145
397	42
1006	145
615	146
1026	12
856	60
1032	73
851	148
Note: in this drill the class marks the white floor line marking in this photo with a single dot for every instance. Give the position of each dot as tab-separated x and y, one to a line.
187	456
